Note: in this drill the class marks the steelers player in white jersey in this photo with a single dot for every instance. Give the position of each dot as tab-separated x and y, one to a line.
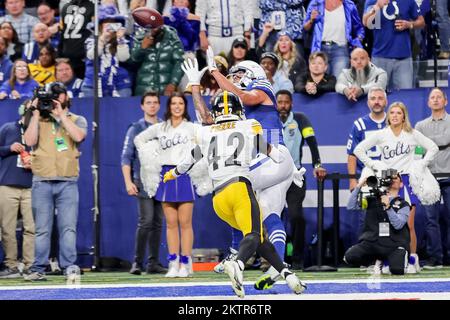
229	146
271	179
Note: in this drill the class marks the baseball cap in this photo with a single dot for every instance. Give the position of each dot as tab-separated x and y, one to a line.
240	41
272	56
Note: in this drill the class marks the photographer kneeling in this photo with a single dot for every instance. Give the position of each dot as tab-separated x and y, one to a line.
385	235
54	133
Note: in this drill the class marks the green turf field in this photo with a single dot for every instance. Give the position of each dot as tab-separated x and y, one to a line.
251	275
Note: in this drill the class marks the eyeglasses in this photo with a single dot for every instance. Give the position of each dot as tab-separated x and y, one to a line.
240	46
21	68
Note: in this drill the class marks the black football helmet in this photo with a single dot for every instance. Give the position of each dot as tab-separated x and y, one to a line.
227	106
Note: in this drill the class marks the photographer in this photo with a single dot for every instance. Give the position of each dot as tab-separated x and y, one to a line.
385	235
54	133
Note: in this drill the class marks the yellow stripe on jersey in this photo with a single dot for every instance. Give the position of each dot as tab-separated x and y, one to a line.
225	102
307	132
257	129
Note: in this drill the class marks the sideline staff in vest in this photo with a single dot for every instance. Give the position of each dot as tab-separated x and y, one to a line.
54	135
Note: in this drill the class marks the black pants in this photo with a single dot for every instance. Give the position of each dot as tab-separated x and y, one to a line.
149	228
365	253
294	199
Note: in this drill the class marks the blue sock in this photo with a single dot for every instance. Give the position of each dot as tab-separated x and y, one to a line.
236	237
277	235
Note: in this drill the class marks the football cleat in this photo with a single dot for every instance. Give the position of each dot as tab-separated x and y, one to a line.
235	272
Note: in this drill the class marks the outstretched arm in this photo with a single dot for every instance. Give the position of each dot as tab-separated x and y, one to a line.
248	98
200	106
190	68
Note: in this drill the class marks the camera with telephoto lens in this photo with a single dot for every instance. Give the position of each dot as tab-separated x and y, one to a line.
376	186
45	99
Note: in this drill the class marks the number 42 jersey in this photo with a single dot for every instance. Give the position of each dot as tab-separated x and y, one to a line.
229	148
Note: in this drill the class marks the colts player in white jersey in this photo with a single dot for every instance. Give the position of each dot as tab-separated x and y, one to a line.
271	179
229	146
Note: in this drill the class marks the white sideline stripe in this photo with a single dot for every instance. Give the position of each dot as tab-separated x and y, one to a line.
321	296
328	154
217	283
311	197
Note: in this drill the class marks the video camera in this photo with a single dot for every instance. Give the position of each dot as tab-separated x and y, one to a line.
47	94
377	186
45	98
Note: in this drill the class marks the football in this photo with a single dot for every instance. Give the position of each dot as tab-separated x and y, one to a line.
147	17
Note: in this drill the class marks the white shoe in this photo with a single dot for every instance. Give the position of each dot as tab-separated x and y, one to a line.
184	271
235	269
377	268
385	269
416	262
293	282
219	268
174	267
411	269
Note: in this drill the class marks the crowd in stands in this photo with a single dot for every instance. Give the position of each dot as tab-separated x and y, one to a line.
132	62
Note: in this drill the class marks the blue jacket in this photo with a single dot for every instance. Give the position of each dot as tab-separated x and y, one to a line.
10	174
5	69
354	30
25	89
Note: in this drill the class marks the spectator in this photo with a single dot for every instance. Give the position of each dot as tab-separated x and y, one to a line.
64	73
14	46
317	81
437	128
46	15
75	16
186	24
159	52
269	61
398	142
221	24
22	22
175	136
391	27
130	23
149	227
362	128
5	63
44	71
362	75
336	27
283	15
20	84
292	65
15	195
443	21
238	52
41	37
375	243
112	49
55	136
296	130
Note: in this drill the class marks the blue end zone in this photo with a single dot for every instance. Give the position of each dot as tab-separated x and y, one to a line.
219	290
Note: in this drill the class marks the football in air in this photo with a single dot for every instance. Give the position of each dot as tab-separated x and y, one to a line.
147	17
